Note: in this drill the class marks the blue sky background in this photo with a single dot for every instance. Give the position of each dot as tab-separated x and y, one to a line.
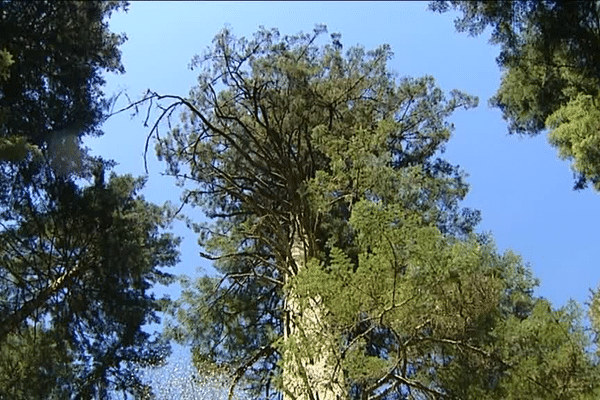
522	189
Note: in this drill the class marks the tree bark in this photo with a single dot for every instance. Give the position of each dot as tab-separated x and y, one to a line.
309	365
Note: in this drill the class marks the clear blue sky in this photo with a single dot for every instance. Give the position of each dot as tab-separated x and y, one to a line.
523	190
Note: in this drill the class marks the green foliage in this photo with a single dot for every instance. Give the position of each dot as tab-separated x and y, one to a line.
51	66
594	315
445	318
34	366
329	202
6	60
408	293
575	131
77	265
77	261
547	352
550	52
14	149
58	51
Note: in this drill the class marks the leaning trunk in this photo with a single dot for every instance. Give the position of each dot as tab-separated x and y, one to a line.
10	323
310	370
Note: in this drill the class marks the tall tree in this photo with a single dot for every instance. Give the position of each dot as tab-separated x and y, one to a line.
550	55
77	261
348	269
77	266
259	140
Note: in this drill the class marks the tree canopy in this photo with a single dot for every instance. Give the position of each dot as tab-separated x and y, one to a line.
78	260
348	268
76	272
549	52
54	54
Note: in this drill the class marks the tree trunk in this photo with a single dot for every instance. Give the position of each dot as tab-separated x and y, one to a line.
11	322
310	370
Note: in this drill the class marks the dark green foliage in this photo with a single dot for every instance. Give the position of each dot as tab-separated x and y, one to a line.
550	55
50	92
33	365
77	265
77	262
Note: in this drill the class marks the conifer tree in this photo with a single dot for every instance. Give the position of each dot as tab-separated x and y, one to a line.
77	260
550	55
76	272
347	267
